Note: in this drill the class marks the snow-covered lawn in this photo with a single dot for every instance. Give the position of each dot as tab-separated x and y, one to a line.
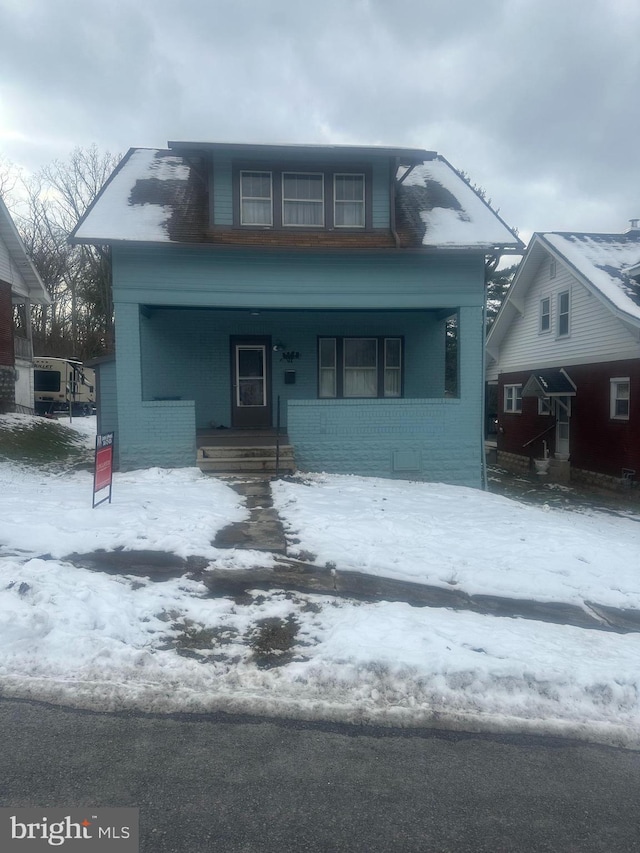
112	642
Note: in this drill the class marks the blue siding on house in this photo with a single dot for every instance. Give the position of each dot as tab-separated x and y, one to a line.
186	353
150	433
205	277
196	297
380	202
221	192
221	188
436	440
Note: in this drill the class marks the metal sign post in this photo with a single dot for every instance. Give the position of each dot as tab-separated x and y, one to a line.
103	467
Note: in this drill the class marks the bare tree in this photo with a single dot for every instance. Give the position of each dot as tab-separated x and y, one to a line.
46	208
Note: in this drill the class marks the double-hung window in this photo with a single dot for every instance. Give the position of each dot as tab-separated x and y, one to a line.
256	198
348	201
303	199
545	314
563	313
619	398
360	367
513	398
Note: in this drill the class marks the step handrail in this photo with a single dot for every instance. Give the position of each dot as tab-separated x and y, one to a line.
277	476
548	429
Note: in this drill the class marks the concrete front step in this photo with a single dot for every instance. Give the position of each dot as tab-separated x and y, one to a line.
245	460
228	452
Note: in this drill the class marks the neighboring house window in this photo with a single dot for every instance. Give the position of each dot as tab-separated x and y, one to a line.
256	198
348	193
360	367
545	314
544	406
513	398
302	199
563	313
552	268
619	397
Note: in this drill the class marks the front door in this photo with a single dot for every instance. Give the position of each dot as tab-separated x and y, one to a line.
250	383
563	416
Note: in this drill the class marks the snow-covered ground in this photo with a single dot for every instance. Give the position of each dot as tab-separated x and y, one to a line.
102	641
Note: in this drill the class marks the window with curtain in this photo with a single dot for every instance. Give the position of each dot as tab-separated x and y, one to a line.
256	205
302	199
349	201
360	367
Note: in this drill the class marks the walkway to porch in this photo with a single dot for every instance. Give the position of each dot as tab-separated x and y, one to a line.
246	451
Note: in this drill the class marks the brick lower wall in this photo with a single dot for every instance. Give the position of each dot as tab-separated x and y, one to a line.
7	389
433	440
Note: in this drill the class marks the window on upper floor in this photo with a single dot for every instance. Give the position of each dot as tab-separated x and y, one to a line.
360	367
563	313
619	397
513	398
348	195
303	199
552	268
256	198
545	314
321	199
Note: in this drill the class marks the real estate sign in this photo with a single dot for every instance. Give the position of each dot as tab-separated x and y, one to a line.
103	467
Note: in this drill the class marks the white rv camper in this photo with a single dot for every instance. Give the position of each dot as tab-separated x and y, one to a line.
63	385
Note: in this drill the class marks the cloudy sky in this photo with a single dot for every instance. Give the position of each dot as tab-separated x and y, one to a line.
537	100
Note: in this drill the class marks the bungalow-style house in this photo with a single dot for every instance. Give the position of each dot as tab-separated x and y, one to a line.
305	286
565	353
20	286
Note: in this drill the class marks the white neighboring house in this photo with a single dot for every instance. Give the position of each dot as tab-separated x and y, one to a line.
20	287
565	354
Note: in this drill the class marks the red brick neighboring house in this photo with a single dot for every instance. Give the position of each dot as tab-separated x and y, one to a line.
565	354
20	286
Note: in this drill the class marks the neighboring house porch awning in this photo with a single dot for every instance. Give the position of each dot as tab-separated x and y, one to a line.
549	383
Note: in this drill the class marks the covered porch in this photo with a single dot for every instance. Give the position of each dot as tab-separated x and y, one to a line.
361	392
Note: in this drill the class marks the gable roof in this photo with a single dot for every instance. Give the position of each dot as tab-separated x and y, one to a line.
160	196
604	263
35	289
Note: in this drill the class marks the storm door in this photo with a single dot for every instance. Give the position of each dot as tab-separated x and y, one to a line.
251	383
563	417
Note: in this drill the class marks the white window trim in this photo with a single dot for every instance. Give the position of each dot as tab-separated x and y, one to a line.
613	397
552	268
546	331
544	406
364	193
257	198
320	201
517	398
560	334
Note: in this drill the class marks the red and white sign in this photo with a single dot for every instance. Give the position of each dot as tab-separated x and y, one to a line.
103	470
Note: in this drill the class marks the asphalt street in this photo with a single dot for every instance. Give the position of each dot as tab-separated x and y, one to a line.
227	784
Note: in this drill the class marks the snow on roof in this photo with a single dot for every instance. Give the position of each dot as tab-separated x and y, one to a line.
605	260
123	212
158	195
451	211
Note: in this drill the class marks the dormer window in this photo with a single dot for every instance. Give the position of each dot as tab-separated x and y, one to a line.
349	201
303	199
320	198
256	198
